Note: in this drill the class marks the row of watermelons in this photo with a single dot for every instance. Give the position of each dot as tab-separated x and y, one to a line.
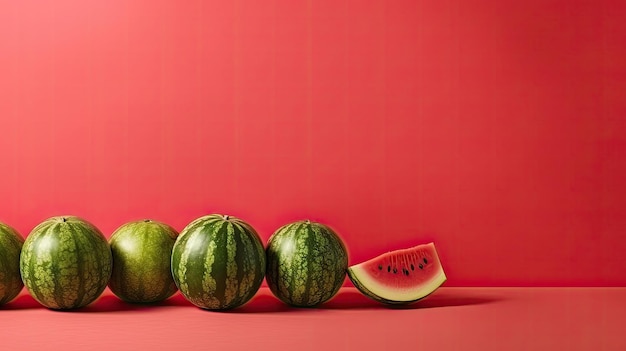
217	262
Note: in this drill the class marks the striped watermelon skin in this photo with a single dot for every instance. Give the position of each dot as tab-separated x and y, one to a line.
218	262
10	247
142	253
65	263
306	263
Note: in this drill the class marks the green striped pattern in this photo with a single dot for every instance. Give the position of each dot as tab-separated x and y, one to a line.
218	262
10	247
306	263
142	253
65	263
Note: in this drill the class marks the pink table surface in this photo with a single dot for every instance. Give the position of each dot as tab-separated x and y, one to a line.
450	319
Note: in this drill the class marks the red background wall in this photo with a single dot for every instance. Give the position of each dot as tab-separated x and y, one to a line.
494	128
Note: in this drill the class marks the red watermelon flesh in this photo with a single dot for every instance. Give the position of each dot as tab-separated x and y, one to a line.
400	276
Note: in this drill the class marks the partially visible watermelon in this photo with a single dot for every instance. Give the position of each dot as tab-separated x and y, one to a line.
65	263
401	276
10	247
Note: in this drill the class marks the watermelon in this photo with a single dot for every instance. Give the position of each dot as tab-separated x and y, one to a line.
10	247
142	253
306	263
401	276
65	263
218	262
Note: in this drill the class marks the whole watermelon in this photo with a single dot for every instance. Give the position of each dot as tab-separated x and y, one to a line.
306	263
218	262
10	247
142	253
65	263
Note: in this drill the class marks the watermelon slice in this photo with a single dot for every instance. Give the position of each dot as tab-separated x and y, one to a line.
401	276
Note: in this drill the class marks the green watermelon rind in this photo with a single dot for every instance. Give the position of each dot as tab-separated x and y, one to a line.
365	291
11	243
306	262
75	272
206	275
142	252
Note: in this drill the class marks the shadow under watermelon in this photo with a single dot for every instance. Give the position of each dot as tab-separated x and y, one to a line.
111	303
348	298
263	302
452	297
22	302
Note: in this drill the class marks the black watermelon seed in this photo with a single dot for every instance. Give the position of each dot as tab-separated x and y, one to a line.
412	267
395	271
380	268
388	269
421	267
425	260
406	271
